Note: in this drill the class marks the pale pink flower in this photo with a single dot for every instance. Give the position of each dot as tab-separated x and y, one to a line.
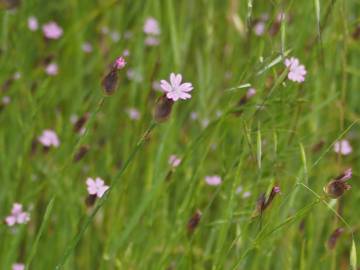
239	189
17	75
96	187
297	72
17	216
174	161
134	75
259	28
87	47
151	27
52	69
18	266
126	52
115	36
52	30
246	194
49	138
343	147
152	41
175	89
32	23
6	100
213	180
250	93
194	116
133	113
120	62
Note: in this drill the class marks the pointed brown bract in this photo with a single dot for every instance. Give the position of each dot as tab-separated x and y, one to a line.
194	221
162	109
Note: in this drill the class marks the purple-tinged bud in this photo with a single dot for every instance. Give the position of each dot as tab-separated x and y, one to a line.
162	109
334	238
90	200
336	188
81	152
194	221
109	83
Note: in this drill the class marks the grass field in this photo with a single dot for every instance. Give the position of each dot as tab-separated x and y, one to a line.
270	150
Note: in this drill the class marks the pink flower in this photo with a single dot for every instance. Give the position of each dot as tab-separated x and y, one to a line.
133	113
17	216
126	52
115	36
6	100
213	180
151	27
33	24
52	30
175	89
343	147
87	47
120	62
259	28
52	69
297	72
49	138
96	187
18	266
152	41
250	93
174	161
246	194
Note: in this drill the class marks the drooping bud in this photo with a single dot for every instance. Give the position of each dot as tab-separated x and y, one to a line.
263	203
334	238
80	123
336	188
162	109
194	221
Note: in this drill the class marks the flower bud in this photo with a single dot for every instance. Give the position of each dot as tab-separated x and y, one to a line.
194	221
336	188
80	123
334	237
81	152
109	83
162	109
90	200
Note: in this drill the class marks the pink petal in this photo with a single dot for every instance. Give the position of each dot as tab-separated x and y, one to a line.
173	79
10	220
165	86
186	87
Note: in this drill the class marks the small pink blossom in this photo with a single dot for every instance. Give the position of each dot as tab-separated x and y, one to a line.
32	23
96	187
246	194
18	266
276	189
194	116
126	53
120	62
6	100
87	47
174	161
175	89
52	69
343	147
250	93
133	113
152	41
17	216
259	28
52	30
115	36
151	27
49	138
297	72
213	180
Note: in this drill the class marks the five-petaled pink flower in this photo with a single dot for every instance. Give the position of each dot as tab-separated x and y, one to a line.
213	180
52	69
96	187
49	138
120	62
174	161
175	89
297	72
17	216
18	266
151	27
33	24
343	147
52	30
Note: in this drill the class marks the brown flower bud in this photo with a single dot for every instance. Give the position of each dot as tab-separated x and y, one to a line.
81	152
334	237
263	203
194	221
162	109
109	83
90	200
80	123
336	187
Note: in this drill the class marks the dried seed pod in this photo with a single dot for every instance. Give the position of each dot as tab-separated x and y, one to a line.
334	238
162	109
80	123
109	83
81	152
194	221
